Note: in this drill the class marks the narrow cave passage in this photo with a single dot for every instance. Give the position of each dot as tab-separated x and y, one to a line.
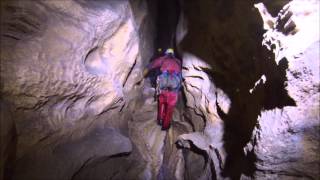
75	105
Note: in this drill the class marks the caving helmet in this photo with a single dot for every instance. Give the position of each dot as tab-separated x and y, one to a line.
169	51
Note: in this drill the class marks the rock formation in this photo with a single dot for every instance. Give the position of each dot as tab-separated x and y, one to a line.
74	104
267	83
69	70
290	135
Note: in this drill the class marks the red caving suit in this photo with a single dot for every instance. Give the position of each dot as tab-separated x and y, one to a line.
170	68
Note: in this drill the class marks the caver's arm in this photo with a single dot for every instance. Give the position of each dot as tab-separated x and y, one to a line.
156	63
153	65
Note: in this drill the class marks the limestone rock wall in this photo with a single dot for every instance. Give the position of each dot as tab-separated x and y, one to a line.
69	70
287	139
254	92
223	58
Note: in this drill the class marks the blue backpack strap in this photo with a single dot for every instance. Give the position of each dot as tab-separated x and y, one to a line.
165	73
178	75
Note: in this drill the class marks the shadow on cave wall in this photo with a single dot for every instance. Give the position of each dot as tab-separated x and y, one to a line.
8	139
227	35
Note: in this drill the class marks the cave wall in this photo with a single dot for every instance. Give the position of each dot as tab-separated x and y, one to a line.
221	42
290	135
69	71
253	69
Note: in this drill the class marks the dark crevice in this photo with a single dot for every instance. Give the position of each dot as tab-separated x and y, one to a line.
213	171
130	71
125	154
11	36
221	114
88	53
81	167
197	77
219	158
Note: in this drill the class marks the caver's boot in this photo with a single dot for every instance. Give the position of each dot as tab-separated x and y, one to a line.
165	125
167	119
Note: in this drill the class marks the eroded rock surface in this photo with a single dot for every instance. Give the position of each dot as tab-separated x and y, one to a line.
287	139
75	106
266	98
67	69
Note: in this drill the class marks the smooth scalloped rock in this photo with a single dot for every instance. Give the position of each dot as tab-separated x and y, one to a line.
65	70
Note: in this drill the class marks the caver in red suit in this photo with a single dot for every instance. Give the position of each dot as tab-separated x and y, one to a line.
168	85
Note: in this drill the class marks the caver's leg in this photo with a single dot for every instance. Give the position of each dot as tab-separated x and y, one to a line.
161	108
171	101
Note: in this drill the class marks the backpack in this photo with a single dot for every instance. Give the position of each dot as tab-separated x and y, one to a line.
169	81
